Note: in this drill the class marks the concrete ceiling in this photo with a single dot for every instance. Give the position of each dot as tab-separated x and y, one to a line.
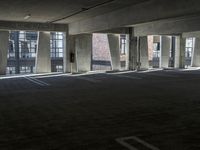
58	11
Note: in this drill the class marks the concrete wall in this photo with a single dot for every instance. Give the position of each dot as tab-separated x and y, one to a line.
165	51
114	51
4	42
144	59
43	60
83	46
196	53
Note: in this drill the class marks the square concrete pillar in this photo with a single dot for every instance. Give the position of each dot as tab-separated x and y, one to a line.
4	46
127	51
66	53
133	53
43	59
180	52
114	41
196	53
83	48
144	59
72	66
165	51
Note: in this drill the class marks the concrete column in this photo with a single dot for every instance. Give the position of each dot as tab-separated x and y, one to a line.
43	59
4	45
66	53
132	51
144	59
127	51
83	47
180	52
114	42
72	66
196	53
165	51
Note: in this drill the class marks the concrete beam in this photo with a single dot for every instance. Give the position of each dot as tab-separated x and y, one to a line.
169	27
146	11
4	41
28	26
116	31
195	34
43	59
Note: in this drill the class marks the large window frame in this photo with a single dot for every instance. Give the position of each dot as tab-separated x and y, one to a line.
27	45
57	44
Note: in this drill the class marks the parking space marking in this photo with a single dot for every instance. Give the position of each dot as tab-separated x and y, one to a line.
122	141
36	81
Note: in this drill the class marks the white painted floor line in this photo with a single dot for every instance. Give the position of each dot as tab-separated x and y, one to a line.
123	142
41	83
150	70
124	72
51	76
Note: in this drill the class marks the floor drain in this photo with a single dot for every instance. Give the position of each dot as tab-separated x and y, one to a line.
134	143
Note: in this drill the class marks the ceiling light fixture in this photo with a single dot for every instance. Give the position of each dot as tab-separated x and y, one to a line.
27	16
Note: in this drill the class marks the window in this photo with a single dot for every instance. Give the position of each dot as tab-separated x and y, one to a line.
26	69
27	44
59	68
156	50
189	47
57	45
123	44
11	50
10	70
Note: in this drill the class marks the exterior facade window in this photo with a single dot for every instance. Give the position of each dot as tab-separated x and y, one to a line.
10	70
57	49
59	68
57	45
189	47
22	52
27	44
123	44
11	51
156	50
26	69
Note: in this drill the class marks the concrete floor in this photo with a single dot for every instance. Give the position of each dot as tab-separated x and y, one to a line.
90	112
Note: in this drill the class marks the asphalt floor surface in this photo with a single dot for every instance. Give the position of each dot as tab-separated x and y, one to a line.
89	112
